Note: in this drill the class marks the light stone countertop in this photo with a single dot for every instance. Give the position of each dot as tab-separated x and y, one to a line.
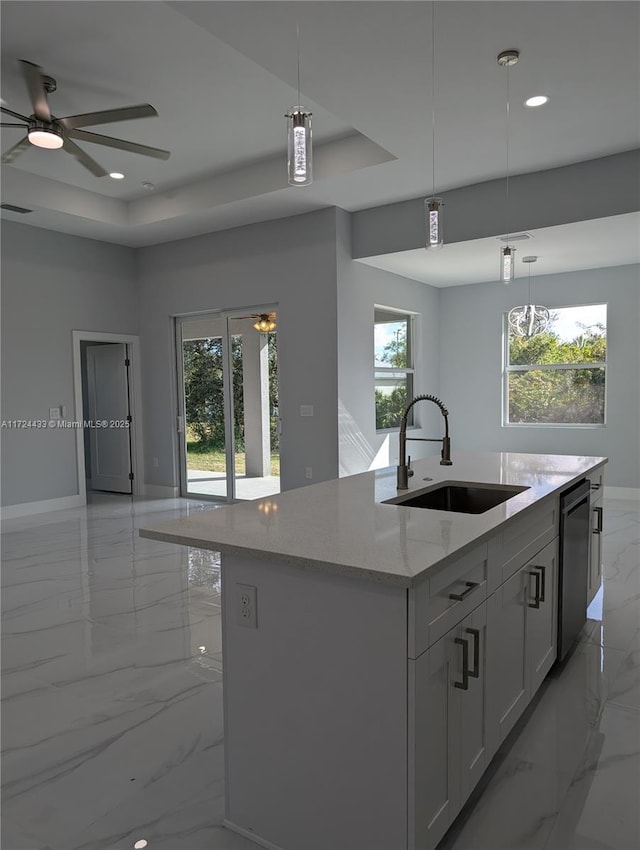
341	527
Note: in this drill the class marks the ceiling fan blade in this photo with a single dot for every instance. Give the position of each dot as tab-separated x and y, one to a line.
4	124
14	114
15	151
108	116
33	78
84	158
119	144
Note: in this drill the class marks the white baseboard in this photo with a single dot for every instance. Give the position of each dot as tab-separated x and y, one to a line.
250	835
44	507
621	492
158	491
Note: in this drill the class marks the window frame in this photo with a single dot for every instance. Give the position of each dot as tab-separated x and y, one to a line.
507	369
409	371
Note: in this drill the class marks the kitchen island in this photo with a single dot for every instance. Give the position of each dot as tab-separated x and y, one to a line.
376	655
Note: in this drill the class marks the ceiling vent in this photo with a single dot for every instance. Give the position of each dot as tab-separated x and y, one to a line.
14	208
516	237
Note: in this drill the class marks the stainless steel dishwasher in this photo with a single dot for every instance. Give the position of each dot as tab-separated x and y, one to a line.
574	565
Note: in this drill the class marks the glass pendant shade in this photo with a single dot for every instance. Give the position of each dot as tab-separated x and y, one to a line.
529	320
265	323
507	264
433	220
299	150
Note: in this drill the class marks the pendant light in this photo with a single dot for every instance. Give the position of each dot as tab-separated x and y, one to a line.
433	206
507	254
529	319
299	150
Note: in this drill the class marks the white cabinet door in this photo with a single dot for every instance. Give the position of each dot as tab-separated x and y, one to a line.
506	657
432	776
472	729
448	754
542	615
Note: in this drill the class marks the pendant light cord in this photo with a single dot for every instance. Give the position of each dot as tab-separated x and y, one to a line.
433	98
507	205
298	54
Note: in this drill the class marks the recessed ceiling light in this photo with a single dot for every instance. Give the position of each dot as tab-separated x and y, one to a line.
536	100
140	844
116	175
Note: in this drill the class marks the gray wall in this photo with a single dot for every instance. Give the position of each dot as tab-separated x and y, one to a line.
360	288
289	262
471	364
52	284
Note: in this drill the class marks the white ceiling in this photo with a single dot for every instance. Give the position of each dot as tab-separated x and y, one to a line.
221	75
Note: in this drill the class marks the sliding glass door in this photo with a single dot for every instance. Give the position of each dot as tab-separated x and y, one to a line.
228	403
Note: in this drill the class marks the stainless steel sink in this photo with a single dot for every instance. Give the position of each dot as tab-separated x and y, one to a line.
459	498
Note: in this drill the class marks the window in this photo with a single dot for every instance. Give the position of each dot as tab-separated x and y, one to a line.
558	377
393	366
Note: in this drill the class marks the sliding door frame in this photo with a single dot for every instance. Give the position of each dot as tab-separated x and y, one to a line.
227	390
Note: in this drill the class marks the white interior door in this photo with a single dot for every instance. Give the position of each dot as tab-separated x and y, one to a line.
108	403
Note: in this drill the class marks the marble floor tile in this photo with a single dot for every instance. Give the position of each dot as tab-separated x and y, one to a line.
601	806
625	689
112	687
13	837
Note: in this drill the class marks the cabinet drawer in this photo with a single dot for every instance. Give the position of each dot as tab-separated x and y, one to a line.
519	541
438	603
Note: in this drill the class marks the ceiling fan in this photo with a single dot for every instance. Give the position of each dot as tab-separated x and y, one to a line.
44	130
266	321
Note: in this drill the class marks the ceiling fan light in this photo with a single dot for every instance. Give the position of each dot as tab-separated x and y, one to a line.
265	323
45	138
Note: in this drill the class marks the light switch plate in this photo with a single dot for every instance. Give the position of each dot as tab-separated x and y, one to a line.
54	413
306	410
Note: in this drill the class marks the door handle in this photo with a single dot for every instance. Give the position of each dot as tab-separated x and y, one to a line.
471	586
475	633
536	601
464	684
543	583
598	513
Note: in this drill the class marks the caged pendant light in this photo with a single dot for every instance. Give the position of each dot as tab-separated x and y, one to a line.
433	206
529	319
507	254
299	150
